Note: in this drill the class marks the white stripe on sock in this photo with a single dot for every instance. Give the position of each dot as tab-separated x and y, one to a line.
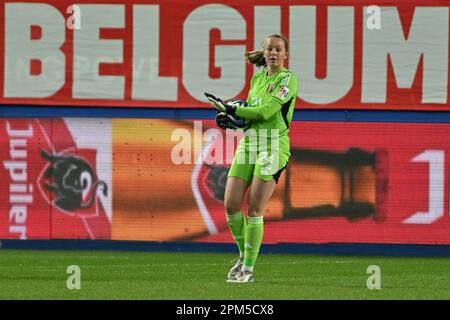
256	220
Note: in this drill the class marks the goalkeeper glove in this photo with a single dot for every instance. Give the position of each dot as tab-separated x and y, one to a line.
222	120
220	105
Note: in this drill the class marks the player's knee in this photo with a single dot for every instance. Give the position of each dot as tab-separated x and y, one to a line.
232	206
255	211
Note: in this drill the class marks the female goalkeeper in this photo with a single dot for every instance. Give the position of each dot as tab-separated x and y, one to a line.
259	160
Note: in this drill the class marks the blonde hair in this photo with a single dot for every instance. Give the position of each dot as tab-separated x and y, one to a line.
257	56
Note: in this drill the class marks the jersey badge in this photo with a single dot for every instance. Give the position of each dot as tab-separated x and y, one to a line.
282	92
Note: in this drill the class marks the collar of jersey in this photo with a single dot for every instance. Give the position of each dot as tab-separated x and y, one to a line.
274	75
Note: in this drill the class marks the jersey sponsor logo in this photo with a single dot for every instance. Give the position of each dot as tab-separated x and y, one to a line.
282	92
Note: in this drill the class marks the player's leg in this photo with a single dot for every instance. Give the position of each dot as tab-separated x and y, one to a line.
239	178
269	165
234	194
260	193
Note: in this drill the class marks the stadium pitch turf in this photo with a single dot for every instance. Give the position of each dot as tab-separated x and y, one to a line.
150	275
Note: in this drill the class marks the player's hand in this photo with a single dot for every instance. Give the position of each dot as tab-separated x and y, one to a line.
219	104
216	102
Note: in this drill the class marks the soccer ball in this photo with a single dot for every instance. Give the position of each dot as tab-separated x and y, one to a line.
227	121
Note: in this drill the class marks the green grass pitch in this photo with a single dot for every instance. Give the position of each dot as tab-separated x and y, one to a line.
150	275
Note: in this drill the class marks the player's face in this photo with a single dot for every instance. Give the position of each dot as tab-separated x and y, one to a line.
275	52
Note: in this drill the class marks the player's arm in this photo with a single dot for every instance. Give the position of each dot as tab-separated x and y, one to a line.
282	93
263	112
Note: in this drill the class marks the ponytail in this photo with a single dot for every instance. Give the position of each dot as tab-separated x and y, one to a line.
257	56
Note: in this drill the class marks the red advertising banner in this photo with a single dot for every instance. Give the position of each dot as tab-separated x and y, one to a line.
347	54
51	174
164	180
